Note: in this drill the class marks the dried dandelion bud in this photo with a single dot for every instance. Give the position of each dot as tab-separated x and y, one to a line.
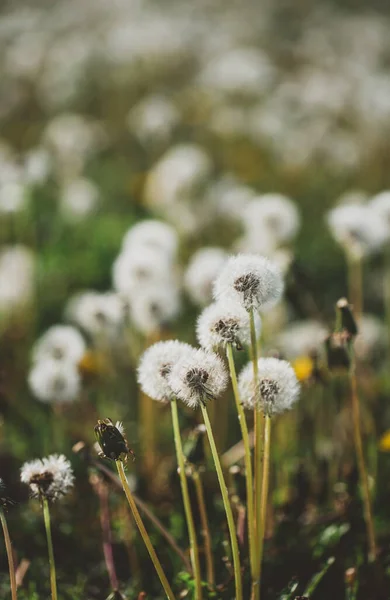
156	364
49	478
348	322
197	377
111	439
253	281
277	388
225	323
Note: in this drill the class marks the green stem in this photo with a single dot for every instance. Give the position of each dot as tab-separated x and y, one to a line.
247	458
10	557
226	502
186	501
143	532
53	581
387	294
205	527
264	490
314	582
355	283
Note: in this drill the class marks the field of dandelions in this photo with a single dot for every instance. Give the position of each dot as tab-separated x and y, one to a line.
194	300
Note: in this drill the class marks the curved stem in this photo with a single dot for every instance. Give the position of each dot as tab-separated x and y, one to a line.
143	532
247	458
362	467
186	501
264	490
205	527
8	547
53	581
226	502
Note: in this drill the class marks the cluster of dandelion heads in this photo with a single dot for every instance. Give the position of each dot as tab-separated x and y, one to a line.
359	229
60	342
155	366
224	323
253	281
276	390
197	377
55	381
202	269
50	477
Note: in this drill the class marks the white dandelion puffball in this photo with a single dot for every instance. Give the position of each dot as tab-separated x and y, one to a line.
17	278
37	165
60	342
277	388
204	266
134	269
224	323
253	281
154	306
50	477
153	234
198	376
99	314
381	204
13	197
79	199
275	213
302	338
156	364
260	241
153	120
230	198
358	228
54	381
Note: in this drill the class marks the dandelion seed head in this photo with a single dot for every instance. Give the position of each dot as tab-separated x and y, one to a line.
79	199
275	213
277	388
224	323
153	234
155	366
54	381
381	205
133	269
253	281
98	314
198	376
50	477
17	271
60	342
13	197
204	266
155	306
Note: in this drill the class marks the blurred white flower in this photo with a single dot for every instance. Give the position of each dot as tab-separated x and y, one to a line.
17	278
198	376
13	197
37	165
371	340
133	269
277	388
275	213
204	266
155	365
50	477
79	199
155	306
230	198
380	203
253	281
225	323
101	315
60	342
154	234
153	120
302	338
54	381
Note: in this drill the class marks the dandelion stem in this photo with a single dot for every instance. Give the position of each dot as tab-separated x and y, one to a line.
247	458
387	294
10	557
205	527
264	491
53	581
226	502
372	553
186	501
143	532
355	283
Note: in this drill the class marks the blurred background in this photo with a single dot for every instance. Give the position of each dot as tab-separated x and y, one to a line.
112	112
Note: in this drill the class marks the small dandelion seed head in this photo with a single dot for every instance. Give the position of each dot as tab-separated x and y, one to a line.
50	477
155	306
98	314
253	281
274	212
138	267
60	342
155	366
54	381
224	323
277	388
153	234
198	376
204	266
